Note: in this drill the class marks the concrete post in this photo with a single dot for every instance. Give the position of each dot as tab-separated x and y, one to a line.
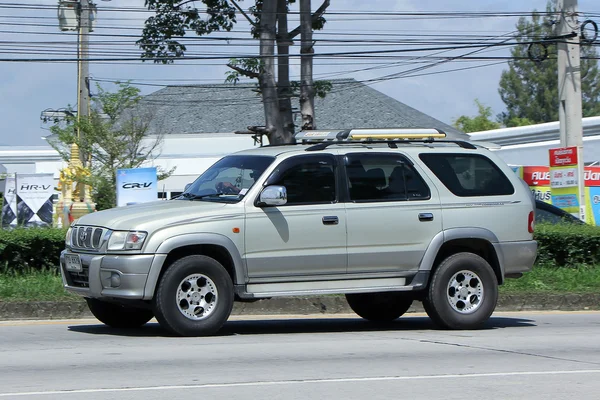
569	88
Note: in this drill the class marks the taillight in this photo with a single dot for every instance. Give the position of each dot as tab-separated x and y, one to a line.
531	222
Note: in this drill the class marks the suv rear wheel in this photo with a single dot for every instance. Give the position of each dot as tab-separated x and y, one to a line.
117	315
379	307
194	296
463	292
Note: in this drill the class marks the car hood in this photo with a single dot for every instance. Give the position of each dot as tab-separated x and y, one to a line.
154	215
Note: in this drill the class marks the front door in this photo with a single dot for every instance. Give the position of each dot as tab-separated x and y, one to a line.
305	237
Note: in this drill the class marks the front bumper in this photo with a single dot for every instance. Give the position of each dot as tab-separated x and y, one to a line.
111	276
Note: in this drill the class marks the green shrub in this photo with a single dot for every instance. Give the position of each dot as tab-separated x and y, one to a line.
568	245
24	250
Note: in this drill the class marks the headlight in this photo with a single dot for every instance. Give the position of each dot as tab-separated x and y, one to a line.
122	240
68	236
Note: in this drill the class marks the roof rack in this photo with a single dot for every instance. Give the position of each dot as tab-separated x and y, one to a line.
322	139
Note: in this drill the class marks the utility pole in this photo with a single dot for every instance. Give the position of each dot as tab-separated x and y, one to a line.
75	198
569	88
83	68
83	83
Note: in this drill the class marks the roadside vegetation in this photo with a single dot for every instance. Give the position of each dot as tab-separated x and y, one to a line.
568	262
47	285
550	279
33	286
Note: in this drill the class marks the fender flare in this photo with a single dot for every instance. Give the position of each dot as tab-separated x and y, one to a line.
459	233
191	239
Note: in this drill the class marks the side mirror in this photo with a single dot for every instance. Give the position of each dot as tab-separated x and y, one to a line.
187	186
273	196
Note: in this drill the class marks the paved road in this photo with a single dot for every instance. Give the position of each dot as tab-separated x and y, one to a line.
530	356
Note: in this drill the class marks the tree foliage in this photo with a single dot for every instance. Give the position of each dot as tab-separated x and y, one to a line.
529	88
268	21
113	136
478	123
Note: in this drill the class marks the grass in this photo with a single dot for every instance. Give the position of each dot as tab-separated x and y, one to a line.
550	279
47	286
33	286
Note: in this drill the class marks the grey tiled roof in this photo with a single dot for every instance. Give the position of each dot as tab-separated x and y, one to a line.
226	108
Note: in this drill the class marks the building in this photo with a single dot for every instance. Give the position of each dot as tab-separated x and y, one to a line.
226	108
529	145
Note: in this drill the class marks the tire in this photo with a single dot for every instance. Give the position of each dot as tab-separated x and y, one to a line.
194	297
379	307
117	315
463	292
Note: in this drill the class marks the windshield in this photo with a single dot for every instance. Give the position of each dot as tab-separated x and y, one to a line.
228	179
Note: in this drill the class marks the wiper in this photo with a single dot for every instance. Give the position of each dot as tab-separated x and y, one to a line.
190	196
185	196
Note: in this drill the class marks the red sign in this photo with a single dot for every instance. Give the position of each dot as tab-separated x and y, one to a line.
540	176
563	157
536	176
592	176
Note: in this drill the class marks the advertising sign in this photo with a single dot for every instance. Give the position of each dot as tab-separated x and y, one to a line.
563	157
564	179
538	180
592	195
29	200
9	206
136	185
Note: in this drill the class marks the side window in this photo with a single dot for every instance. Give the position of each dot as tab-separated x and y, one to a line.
308	179
384	177
468	174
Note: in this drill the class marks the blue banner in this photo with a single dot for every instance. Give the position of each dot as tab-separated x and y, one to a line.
594	202
136	185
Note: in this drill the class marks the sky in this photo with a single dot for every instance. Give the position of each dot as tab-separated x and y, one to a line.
444	88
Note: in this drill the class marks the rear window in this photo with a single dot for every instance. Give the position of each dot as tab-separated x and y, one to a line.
468	175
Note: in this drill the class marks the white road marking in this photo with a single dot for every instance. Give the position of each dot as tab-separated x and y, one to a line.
297	382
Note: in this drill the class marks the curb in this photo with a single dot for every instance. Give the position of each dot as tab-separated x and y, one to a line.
334	304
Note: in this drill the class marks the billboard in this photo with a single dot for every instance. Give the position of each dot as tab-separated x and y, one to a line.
9	205
564	179
538	178
136	185
28	200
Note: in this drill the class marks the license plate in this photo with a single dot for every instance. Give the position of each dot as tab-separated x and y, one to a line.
73	263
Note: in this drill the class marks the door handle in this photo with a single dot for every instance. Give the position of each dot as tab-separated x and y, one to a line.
425	216
330	220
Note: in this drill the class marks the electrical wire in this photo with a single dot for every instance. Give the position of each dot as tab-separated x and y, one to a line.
387	49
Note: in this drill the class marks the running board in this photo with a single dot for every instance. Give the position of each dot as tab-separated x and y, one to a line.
310	288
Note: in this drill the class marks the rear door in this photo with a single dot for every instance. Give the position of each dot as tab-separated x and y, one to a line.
393	212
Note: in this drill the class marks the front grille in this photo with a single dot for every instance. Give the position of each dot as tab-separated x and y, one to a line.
88	237
80	279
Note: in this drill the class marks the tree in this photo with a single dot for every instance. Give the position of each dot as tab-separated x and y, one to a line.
481	122
113	136
530	88
268	20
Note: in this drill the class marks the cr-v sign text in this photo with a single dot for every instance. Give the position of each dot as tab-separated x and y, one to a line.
137	185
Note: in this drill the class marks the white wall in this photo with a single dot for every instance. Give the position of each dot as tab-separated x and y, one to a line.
189	154
538	153
529	145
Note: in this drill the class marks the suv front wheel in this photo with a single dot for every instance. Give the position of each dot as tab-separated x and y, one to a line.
194	296
463	292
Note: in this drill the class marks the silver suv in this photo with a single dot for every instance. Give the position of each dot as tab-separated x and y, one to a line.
385	217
